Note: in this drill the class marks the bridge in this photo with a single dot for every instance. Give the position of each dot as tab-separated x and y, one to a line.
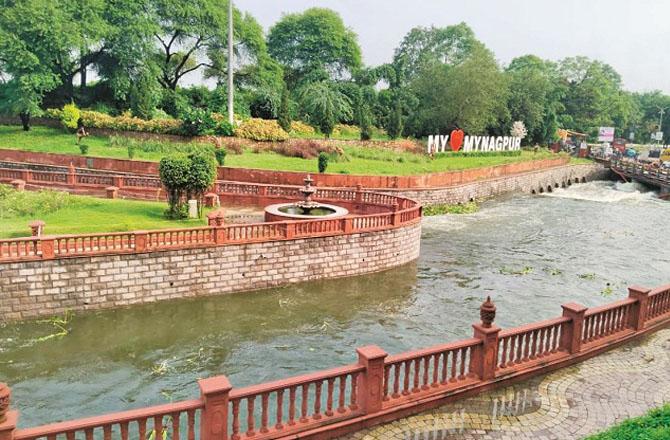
635	171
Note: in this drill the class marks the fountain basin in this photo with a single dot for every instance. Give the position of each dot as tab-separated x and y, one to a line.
292	211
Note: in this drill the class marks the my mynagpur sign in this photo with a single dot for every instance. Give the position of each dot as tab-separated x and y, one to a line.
457	141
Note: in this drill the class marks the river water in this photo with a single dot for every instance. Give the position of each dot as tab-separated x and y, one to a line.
530	253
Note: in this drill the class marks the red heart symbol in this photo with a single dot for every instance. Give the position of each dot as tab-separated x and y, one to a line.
456	139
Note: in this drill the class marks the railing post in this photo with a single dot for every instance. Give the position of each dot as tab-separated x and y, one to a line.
359	193
214	393
347	225
396	215
71	175
483	361
638	315
118	181
370	386
141	241
26	175
571	334
8	418
290	230
48	246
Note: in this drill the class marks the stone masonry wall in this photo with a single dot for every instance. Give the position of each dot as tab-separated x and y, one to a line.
44	288
531	182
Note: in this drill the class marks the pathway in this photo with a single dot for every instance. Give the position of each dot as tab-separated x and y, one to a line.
568	404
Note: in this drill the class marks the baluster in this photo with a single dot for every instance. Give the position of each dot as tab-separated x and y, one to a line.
280	410
436	369
343	387
158	428
426	367
251	423
175	426
417	373
533	338
264	412
526	345
124	432
503	352
89	433
464	352
317	400
354	392
303	403
454	355
445	366
291	406
396	380
190	423
329	398
387	371
519	348
107	432
142	428
405	389
236	420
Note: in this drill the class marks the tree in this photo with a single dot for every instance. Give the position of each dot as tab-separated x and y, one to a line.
145	96
535	93
423	48
396	124
284	118
325	106
315	40
186	177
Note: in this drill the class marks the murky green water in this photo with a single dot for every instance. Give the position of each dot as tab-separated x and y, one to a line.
530	253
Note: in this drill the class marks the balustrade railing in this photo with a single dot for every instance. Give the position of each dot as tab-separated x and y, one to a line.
336	401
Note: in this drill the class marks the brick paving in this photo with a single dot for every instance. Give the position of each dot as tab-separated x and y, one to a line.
571	403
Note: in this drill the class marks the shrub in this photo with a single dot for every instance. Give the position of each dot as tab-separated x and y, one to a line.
131	151
220	154
304	149
185	177
236	146
15	203
84	149
261	130
69	116
323	162
344	130
166	147
53	113
300	128
197	122
222	126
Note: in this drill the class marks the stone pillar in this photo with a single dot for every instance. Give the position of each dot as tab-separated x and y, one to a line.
638	314
571	334
141	241
118	181
112	192
359	193
71	175
36	228
18	184
290	230
347	225
8	419
26	175
216	218
396	215
370	385
212	200
214	393
483	360
48	245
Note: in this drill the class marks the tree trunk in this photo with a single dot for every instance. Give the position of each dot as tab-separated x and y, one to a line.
83	74
25	121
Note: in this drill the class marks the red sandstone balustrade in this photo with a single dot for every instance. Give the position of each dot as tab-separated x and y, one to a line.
658	303
91	244
255	232
179	238
372	222
19	248
283	407
177	420
319	227
446	366
519	345
10	174
49	177
95	179
603	321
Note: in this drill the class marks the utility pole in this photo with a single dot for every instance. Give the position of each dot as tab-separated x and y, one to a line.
231	117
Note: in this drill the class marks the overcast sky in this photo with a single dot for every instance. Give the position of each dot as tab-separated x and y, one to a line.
631	35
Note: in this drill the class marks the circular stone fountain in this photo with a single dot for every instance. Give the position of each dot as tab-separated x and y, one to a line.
306	209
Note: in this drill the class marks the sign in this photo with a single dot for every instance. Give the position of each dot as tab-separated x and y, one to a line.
658	136
606	134
457	141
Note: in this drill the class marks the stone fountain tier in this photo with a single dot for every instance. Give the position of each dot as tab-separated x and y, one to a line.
306	209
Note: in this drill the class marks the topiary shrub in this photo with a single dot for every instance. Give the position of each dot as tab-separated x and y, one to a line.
323	162
186	177
261	130
69	116
220	155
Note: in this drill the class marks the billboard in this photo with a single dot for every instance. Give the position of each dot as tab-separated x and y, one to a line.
606	134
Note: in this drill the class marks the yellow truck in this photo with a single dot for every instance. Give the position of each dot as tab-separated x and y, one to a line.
665	155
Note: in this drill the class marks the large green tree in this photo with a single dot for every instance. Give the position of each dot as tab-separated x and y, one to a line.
313	46
325	105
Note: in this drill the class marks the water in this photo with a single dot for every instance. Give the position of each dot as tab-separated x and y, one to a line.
583	244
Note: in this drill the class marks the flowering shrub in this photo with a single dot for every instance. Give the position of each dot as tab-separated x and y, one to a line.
519	129
197	122
69	116
304	149
261	130
300	128
347	130
53	113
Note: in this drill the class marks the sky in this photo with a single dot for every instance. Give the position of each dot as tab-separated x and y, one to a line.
633	36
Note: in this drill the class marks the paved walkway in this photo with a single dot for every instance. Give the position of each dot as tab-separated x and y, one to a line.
568	404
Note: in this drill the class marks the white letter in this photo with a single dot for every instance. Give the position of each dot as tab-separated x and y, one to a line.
499	142
432	143
505	145
517	143
485	143
444	139
468	143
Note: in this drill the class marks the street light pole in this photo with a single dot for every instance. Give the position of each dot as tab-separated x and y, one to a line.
231	117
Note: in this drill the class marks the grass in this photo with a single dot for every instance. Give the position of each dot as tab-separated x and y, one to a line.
358	160
69	214
446	208
655	425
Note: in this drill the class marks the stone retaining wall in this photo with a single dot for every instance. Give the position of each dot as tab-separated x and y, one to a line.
43	288
532	182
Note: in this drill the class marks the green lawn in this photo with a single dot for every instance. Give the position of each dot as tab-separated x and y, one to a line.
653	426
68	214
358	160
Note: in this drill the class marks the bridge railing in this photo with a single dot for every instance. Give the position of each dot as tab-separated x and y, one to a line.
378	387
640	170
